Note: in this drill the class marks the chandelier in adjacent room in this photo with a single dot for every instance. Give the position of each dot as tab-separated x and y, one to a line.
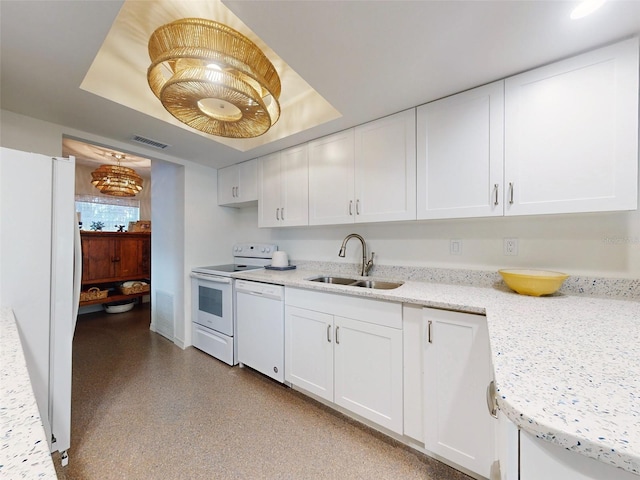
214	79
116	180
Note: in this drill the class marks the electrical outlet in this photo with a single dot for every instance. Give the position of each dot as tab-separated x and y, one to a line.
510	246
455	247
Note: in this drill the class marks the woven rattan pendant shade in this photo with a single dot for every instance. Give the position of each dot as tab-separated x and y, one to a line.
116	180
213	78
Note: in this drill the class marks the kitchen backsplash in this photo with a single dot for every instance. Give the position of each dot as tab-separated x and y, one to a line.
618	288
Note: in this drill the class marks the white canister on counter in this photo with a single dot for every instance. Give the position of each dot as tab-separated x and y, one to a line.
280	259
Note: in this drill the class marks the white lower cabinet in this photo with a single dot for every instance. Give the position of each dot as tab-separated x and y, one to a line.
457	371
525	457
540	459
346	350
507	444
368	371
308	344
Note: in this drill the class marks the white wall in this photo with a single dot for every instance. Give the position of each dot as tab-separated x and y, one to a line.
602	244
167	250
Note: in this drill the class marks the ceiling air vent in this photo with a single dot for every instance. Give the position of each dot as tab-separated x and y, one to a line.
149	142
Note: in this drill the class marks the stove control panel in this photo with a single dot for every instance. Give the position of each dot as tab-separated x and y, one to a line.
254	250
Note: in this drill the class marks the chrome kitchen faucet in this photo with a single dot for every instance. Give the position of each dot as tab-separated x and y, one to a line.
366	265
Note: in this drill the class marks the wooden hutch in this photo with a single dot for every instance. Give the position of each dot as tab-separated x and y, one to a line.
111	258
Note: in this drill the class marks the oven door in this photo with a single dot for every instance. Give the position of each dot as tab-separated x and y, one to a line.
213	302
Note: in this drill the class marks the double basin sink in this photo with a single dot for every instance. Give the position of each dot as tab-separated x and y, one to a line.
351	282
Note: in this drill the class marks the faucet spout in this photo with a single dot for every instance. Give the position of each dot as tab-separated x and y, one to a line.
366	265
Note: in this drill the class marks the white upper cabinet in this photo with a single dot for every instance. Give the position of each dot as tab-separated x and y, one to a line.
571	134
331	185
460	155
238	184
283	188
385	166
365	174
562	138
269	189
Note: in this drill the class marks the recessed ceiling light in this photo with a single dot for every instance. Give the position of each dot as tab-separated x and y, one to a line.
585	8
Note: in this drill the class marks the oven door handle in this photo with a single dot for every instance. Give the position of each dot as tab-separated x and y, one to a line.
210	278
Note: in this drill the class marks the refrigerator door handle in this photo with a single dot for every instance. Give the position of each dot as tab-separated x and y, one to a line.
77	272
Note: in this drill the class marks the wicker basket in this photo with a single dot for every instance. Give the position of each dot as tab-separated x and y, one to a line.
130	288
94	293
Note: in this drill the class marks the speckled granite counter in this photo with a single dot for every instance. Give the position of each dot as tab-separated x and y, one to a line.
567	368
24	452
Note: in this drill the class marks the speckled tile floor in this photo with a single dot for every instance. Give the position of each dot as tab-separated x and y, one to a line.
145	409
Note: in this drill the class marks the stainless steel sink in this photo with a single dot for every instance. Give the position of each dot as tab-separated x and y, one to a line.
336	280
377	284
351	282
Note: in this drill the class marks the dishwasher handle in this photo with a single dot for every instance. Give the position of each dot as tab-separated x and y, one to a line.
262	290
261	294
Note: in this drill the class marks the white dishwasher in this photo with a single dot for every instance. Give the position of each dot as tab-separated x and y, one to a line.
260	327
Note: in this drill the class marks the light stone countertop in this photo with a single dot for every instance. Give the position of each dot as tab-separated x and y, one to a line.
24	452
567	368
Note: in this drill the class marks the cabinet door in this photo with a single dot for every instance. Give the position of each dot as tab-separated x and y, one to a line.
368	371
247	181
385	169
331	183
269	190
507	446
412	374
571	134
460	155
308	340
542	459
145	267
294	172
98	259
129	257
457	371
227	185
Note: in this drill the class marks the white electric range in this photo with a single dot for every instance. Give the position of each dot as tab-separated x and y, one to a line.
212	297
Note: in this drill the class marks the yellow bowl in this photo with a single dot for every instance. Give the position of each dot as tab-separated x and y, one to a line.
533	282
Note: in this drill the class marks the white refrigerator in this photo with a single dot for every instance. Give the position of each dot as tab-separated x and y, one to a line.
40	271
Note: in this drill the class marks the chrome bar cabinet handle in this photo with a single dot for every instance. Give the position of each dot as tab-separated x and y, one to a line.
495	187
329	333
510	193
492	401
